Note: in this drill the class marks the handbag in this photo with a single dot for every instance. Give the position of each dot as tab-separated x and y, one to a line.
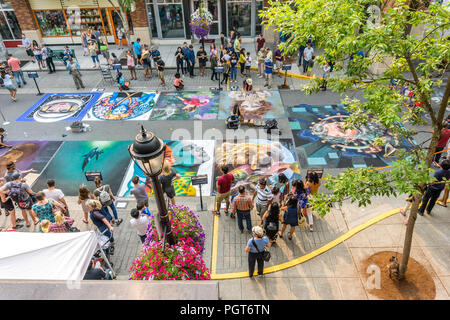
70	229
266	253
301	219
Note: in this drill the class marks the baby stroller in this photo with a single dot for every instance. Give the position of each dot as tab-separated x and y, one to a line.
103	256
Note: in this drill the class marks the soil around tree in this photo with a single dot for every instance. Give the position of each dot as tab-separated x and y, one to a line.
417	285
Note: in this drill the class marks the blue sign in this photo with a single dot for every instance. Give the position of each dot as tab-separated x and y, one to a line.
286	67
33	75
218	69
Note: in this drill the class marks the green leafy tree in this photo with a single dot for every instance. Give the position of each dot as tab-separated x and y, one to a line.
384	30
125	6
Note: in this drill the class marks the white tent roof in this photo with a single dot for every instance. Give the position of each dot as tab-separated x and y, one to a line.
46	256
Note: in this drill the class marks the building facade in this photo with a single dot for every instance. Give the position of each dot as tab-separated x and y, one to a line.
63	21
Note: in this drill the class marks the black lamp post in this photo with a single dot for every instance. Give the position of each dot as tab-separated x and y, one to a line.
148	153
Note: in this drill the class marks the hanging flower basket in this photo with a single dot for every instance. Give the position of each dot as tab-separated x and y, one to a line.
200	24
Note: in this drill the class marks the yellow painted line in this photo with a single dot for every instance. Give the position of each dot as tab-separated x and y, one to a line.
214	248
294	75
306	257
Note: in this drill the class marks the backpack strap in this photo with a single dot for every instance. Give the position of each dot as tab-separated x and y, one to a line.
256	247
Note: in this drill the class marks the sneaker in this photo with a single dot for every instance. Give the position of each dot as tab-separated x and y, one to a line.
226	212
217	213
311	228
111	250
242	231
420	212
18	226
118	221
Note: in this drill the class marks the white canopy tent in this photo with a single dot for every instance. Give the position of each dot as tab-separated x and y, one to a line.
46	256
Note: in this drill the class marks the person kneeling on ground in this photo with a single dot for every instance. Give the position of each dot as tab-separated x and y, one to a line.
178	82
121	82
96	273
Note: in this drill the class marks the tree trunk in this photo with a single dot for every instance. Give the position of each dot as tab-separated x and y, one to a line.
437	127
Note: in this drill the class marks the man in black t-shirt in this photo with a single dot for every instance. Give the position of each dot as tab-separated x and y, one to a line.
161	65
94	273
435	188
202	58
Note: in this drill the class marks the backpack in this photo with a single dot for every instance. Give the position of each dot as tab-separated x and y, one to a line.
50	53
70	229
17	194
104	196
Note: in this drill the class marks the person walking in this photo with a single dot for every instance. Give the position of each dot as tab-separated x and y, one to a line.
179	58
435	188
99	219
45	208
263	197
139	191
131	66
104	194
83	196
104	49
214	64
37	52
120	38
202	58
56	195
191	61
47	55
74	70
270	222
268	69
326	74
161	66
255	249
261	57
85	37
308	54
301	49
19	192
223	186
139	221
8	83
242	206
166	179
14	64
289	216
93	49
8	205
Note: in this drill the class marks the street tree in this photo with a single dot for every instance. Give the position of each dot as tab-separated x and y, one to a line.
356	36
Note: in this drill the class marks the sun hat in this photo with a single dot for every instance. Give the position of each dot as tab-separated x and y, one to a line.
258	231
249	81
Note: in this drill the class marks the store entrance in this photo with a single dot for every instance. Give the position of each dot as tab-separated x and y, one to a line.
116	24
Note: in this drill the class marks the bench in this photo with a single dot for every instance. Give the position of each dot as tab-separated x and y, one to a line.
59	54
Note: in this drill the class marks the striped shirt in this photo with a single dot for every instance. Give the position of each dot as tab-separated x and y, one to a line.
242	203
263	195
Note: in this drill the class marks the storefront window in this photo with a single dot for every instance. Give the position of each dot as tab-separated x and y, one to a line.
52	23
259	27
152	20
105	21
171	17
9	26
239	17
4	29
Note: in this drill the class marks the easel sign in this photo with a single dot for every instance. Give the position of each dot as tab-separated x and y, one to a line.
199	181
318	171
91	175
